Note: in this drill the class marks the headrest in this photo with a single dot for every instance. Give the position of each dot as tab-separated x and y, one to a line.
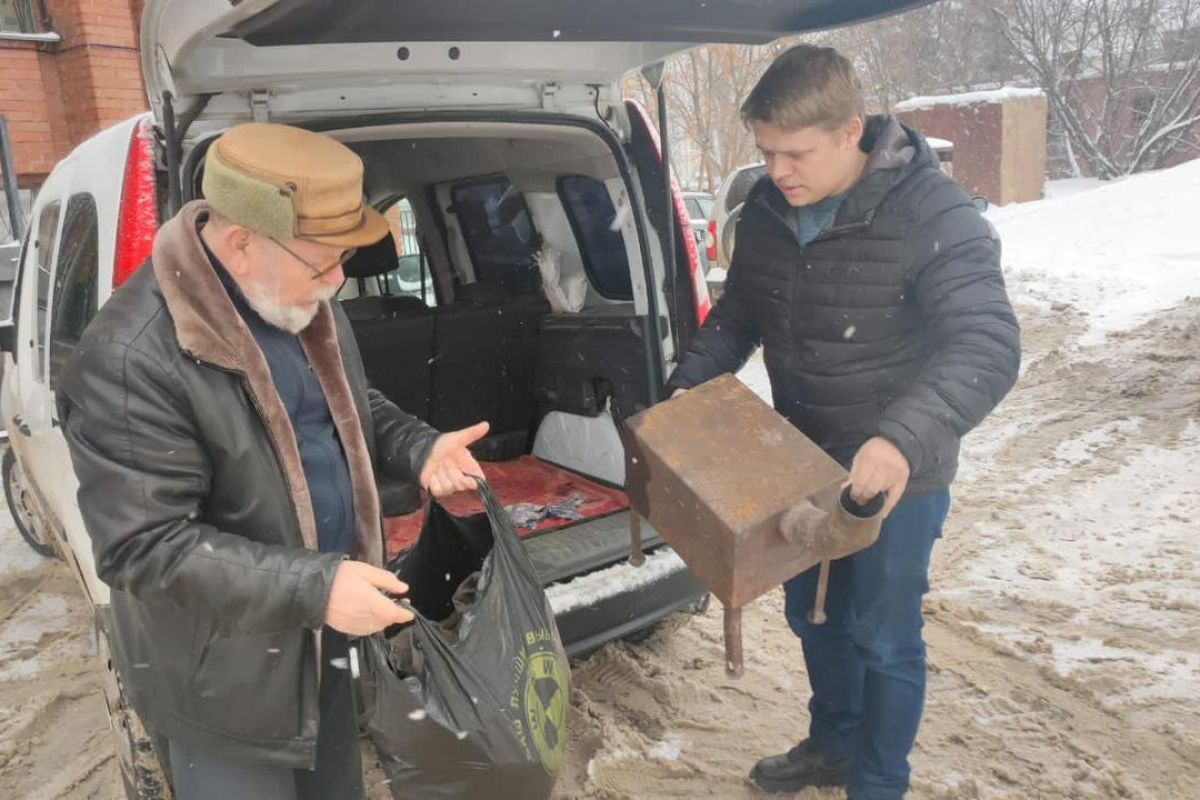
374	259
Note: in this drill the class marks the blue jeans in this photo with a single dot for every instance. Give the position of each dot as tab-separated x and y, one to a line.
866	664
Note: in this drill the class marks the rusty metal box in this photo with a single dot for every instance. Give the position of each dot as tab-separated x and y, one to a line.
744	497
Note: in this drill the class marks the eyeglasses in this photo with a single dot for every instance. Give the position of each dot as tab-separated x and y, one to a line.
317	272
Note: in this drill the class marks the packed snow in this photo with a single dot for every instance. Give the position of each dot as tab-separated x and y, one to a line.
967	98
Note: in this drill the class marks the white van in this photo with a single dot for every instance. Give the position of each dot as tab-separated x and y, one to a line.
494	136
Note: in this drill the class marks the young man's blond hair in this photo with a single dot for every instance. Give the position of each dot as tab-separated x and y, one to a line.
806	87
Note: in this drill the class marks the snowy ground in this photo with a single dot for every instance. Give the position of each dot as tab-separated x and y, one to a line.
1064	625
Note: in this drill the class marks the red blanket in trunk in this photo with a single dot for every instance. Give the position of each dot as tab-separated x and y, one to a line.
525	480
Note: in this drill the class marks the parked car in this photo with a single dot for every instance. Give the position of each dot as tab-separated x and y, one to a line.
699	206
722	222
504	137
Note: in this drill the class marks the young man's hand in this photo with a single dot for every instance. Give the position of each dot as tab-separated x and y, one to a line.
879	466
357	605
450	467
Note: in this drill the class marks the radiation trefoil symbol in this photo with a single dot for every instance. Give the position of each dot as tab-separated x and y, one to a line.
546	708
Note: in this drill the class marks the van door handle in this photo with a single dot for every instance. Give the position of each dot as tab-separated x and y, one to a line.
21	426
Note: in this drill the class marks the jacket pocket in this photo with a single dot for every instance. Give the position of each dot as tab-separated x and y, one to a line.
250	686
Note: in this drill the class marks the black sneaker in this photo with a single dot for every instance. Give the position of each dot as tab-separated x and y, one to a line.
799	768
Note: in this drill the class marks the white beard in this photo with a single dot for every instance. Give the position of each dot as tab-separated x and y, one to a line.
292	319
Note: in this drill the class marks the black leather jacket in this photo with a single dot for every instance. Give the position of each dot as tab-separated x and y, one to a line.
197	527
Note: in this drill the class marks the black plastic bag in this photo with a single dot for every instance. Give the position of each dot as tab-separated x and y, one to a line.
484	715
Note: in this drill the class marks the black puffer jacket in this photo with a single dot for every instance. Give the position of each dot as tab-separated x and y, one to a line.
894	322
193	493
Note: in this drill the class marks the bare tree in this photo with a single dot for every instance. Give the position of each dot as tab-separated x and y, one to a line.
1122	76
705	88
942	48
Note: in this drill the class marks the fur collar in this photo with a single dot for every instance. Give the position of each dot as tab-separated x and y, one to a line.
210	329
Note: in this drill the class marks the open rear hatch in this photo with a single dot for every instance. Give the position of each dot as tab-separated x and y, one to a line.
300	57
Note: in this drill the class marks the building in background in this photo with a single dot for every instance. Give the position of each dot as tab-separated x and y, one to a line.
999	139
68	68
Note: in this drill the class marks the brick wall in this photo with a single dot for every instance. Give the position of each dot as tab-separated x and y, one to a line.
30	101
55	96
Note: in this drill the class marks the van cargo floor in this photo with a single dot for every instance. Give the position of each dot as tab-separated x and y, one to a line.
526	480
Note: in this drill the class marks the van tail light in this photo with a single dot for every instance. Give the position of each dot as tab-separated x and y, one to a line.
711	242
137	222
683	222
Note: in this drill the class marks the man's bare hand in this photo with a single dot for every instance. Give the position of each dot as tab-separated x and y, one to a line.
356	605
451	467
879	466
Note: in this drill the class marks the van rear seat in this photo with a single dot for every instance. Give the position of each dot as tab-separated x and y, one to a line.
394	332
454	365
484	363
395	337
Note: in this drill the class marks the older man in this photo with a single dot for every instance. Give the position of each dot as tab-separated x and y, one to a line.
226	442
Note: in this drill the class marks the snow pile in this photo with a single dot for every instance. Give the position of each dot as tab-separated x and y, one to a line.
968	98
1118	254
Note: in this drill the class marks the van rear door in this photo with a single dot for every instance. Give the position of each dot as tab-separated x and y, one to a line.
290	58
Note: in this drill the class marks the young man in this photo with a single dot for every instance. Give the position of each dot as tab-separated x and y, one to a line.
225	442
875	289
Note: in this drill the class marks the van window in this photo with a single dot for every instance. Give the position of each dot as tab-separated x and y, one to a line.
499	234
75	282
43	252
413	277
591	212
